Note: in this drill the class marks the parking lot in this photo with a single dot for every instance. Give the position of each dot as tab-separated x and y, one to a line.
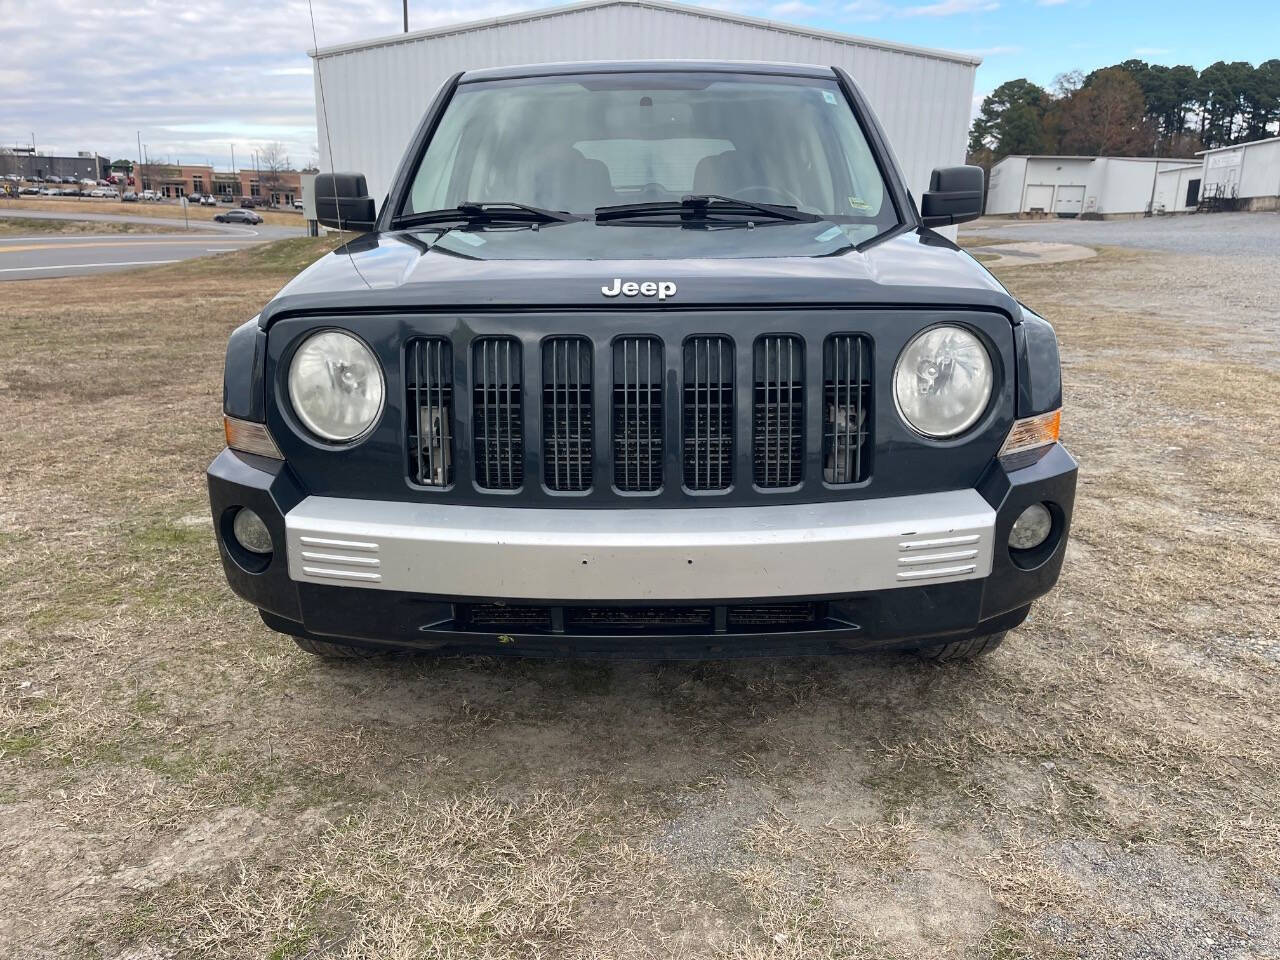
177	781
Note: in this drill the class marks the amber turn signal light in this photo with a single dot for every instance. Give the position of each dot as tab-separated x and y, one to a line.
1032	433
249	437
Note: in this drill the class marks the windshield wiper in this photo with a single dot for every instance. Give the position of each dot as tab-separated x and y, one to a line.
701	206
490	211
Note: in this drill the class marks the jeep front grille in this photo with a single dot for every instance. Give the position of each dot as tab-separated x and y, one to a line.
778	412
496	416
566	413
638	424
430	404
846	401
482	416
708	413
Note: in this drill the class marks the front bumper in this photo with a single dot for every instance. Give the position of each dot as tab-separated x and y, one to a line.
874	573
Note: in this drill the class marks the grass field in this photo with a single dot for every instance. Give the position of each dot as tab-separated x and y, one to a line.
177	781
27	226
169	211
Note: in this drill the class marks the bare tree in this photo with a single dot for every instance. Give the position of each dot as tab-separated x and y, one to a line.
273	162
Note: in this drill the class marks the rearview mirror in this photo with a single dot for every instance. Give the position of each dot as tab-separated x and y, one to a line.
343	201
954	196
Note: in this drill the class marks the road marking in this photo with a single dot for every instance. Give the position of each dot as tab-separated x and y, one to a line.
81	266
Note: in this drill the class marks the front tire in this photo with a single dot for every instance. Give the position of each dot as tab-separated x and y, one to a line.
327	650
969	649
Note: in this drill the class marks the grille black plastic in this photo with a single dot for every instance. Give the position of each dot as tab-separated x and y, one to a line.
778	411
429	387
566	413
846	400
496	413
707	416
637	414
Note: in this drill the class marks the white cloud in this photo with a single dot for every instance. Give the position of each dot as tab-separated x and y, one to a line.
82	76
948	8
992	51
1050	3
867	10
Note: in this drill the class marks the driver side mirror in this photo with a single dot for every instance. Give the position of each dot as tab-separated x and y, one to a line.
343	201
954	196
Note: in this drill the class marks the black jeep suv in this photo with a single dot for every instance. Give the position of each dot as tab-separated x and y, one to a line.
645	359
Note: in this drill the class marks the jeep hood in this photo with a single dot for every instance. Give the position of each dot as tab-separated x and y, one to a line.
567	265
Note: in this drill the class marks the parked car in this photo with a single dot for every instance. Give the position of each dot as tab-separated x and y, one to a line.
225	198
208	200
49	192
674	394
247	203
237	216
297	204
54	180
30	190
129	196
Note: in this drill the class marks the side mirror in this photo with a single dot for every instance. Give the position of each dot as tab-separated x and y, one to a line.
343	201
954	196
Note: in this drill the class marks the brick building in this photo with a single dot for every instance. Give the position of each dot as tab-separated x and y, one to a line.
182	180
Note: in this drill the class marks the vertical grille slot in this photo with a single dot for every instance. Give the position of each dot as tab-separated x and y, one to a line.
496	414
430	404
707	416
637	414
566	413
846	401
778	415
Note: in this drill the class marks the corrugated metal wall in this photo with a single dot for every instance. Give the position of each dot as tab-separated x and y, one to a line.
375	95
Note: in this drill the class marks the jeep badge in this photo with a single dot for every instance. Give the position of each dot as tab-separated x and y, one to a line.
649	288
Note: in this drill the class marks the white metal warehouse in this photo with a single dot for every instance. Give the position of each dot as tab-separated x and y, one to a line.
1247	171
376	91
1086	186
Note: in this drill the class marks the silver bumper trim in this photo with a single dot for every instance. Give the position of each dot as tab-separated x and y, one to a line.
728	553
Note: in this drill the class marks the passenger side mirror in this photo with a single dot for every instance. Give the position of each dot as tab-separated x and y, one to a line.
954	196
343	201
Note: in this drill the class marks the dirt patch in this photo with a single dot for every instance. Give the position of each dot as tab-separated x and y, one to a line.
177	781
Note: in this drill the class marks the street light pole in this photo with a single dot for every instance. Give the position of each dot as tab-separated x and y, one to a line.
406	16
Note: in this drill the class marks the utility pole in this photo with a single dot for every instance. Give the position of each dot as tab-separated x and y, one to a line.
406	16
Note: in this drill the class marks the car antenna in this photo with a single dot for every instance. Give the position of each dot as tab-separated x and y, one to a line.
324	113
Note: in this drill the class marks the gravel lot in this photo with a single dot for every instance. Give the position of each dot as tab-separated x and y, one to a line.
178	782
1218	234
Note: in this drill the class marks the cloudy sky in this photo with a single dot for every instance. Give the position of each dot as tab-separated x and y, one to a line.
196	78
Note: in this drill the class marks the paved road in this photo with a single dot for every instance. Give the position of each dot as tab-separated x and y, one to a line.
1207	234
50	255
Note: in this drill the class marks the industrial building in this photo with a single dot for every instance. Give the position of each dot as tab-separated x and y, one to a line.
375	92
1099	187
26	163
1246	172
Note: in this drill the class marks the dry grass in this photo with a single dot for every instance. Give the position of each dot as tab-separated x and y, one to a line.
25	226
170	211
176	781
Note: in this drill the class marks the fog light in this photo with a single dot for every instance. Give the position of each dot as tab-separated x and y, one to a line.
250	531
1032	527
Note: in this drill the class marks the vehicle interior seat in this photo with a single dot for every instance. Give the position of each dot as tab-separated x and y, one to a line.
566	180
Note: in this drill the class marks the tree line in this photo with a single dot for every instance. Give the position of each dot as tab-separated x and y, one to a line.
1130	109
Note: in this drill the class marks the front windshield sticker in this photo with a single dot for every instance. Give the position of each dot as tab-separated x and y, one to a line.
827	235
858	203
828	96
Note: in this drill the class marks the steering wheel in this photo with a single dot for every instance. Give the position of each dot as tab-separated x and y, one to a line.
790	197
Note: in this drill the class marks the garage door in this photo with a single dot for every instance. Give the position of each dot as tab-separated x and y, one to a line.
1039	197
1070	201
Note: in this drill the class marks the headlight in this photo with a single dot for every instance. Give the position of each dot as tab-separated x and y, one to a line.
335	385
942	382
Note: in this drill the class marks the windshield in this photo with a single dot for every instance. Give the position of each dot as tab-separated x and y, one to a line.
577	143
